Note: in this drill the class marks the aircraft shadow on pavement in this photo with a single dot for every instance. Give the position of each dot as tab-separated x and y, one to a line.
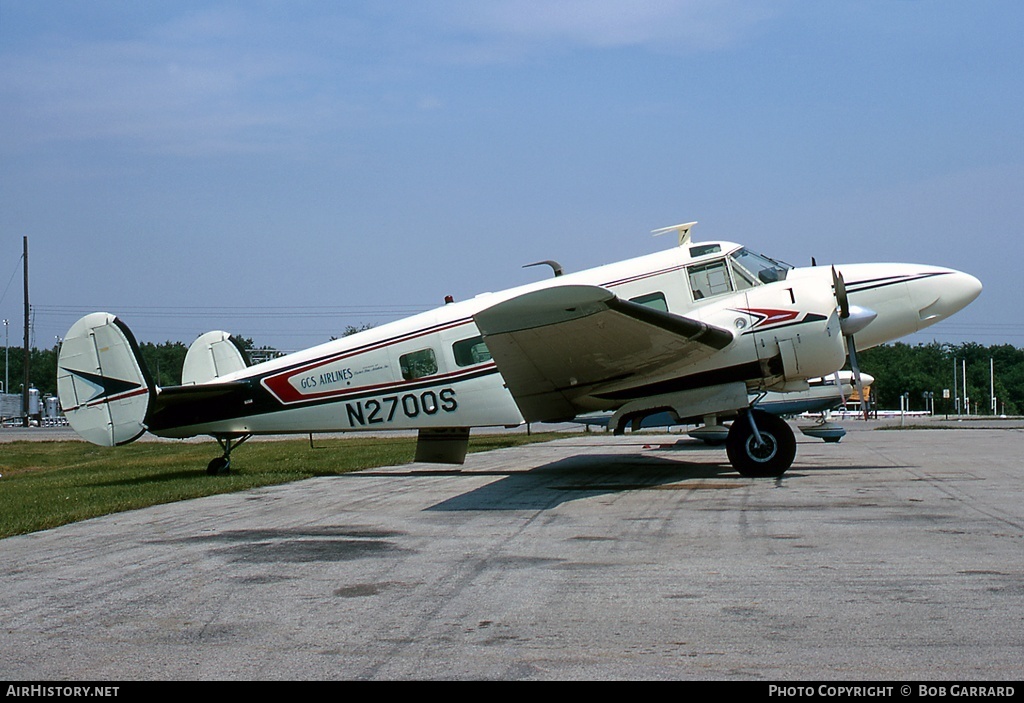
585	476
577	477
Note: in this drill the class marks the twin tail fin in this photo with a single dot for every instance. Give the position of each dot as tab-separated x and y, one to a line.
106	391
104	387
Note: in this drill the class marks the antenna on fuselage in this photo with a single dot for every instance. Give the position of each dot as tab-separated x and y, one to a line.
683	229
555	266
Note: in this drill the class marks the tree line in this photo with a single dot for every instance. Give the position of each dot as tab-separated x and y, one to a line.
897	368
929	368
163	360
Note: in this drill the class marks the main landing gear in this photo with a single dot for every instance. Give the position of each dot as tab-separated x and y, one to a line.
760	444
221	466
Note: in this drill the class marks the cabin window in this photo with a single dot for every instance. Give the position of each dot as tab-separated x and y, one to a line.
707	280
652	300
471	351
702	249
418	364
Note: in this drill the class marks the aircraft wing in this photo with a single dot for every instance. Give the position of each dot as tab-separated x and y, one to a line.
557	345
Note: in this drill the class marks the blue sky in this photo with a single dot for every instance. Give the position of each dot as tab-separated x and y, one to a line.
284	169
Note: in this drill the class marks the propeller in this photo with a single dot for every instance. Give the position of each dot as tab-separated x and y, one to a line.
852	319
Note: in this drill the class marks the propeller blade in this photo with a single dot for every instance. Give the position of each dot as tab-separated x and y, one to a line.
861	318
839	384
855	367
841	297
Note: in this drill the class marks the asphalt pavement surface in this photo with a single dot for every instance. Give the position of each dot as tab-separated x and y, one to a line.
893	555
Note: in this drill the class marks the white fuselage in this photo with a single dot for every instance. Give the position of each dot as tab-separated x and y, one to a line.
427	371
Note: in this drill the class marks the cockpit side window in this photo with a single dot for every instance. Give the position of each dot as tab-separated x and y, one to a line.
709	279
765	269
743	278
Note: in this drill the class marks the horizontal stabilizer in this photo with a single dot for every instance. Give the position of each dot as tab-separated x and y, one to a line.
179	406
102	382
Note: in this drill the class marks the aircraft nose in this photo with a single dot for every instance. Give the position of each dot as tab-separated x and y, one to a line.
955	291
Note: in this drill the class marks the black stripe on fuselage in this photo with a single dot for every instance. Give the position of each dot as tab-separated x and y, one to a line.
183	408
872	283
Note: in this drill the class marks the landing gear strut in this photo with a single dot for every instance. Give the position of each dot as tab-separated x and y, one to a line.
760	444
221	466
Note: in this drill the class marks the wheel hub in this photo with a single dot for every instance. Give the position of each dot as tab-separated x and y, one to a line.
764	451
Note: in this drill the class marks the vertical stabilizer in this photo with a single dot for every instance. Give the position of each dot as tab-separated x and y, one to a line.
211	356
102	382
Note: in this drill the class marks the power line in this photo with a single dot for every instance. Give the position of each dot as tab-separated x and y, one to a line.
14	273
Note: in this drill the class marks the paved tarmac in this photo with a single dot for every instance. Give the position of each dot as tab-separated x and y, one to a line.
894	555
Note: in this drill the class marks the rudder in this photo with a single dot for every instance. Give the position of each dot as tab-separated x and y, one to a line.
103	384
210	357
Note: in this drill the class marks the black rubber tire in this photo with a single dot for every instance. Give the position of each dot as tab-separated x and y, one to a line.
768	461
221	466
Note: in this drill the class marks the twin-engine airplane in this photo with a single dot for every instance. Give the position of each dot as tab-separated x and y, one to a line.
690	331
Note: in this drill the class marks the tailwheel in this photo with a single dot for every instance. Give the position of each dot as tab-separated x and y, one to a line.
221	466
760	445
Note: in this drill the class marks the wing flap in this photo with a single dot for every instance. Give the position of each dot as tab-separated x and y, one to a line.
556	346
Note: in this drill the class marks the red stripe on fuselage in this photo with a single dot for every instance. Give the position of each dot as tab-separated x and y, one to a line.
287	394
279	384
770	316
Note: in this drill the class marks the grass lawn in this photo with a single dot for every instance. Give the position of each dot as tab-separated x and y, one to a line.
46	484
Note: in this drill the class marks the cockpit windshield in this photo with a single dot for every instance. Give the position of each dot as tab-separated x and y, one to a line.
758	267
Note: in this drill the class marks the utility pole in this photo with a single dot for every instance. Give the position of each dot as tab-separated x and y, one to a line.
956	390
992	383
967	400
24	390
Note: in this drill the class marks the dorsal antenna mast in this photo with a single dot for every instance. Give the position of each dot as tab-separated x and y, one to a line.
683	230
